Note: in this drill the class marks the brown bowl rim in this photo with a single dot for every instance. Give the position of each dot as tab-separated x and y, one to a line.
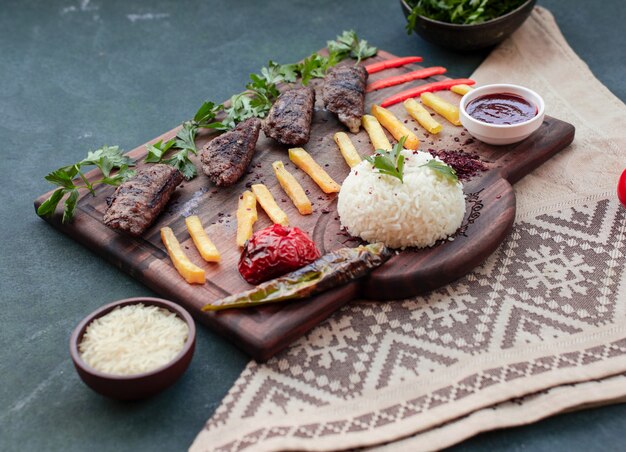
79	331
474	26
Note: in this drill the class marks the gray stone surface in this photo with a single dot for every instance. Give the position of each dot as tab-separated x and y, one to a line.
76	74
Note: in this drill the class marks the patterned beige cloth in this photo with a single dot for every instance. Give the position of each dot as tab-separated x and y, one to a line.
538	329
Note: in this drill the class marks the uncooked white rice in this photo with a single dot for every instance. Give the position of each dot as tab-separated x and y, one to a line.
133	339
420	211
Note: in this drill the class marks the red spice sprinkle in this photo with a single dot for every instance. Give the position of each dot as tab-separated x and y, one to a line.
325	211
466	165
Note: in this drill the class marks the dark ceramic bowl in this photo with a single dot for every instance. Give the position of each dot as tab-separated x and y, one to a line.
470	37
139	386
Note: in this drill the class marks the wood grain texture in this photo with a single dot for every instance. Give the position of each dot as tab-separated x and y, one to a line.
262	332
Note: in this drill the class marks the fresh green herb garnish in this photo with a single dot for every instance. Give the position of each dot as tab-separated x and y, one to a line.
459	11
72	178
443	170
157	150
389	162
184	142
349	44
255	102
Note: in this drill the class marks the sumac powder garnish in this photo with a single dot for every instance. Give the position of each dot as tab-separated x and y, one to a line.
466	165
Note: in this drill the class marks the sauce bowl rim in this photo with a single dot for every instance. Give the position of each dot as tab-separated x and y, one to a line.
507	88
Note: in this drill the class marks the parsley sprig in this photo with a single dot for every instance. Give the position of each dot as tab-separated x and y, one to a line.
389	162
70	179
255	102
392	164
443	170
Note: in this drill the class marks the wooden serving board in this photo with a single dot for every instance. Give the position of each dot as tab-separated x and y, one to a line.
264	331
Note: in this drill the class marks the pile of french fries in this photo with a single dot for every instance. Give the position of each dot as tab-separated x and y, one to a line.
187	269
381	119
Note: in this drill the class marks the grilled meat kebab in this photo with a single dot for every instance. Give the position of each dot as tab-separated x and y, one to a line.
138	201
289	119
226	158
344	94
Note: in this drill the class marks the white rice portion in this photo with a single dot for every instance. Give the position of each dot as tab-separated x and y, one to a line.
133	339
379	208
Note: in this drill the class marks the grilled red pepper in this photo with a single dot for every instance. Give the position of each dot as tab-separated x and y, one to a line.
398	79
621	188
274	251
426	88
388	64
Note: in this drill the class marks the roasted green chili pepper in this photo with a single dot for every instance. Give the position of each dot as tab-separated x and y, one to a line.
331	270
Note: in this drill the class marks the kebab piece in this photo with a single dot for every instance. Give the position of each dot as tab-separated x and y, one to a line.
289	119
226	158
344	94
137	202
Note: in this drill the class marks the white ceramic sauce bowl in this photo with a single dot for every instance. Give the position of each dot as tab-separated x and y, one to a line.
500	134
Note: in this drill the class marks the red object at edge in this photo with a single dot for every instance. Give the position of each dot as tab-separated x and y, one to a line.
393	62
275	251
426	88
621	188
398	79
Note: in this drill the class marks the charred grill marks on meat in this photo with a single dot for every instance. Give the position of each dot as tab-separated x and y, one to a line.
139	201
226	158
289	119
344	94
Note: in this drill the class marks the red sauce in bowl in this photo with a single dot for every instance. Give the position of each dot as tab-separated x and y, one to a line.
501	108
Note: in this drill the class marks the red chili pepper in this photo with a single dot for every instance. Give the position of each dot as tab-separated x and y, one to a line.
621	188
274	251
388	64
398	79
426	88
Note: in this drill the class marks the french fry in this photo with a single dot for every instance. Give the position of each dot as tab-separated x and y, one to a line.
265	198
246	216
349	152
395	127
292	188
421	115
375	131
461	89
187	269
205	246
306	163
445	109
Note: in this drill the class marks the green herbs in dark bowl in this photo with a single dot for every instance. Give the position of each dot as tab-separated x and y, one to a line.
465	24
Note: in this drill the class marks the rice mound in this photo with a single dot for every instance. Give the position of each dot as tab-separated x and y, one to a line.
379	208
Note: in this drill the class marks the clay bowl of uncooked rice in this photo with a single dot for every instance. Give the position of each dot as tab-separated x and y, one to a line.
423	209
133	348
